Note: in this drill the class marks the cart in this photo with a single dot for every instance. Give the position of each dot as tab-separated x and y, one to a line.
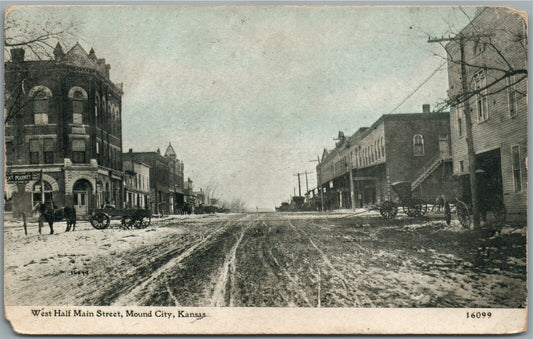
413	207
129	217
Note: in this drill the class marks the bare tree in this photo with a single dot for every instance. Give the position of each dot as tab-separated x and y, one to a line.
497	48
39	40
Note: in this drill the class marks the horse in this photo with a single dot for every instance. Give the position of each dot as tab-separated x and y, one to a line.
53	214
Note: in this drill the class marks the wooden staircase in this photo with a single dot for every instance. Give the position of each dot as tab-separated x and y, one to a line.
427	170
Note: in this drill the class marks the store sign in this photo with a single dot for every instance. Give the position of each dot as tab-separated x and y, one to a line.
21	177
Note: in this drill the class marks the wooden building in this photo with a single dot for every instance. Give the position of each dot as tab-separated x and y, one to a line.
64	119
495	59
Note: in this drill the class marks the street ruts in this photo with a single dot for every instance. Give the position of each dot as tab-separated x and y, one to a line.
282	260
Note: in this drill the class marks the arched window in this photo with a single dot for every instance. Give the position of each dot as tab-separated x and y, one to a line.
78	96
418	145
36	192
41	105
96	108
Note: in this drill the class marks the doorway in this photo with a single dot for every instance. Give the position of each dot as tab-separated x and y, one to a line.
81	193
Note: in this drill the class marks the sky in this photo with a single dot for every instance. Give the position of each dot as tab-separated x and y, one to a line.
249	96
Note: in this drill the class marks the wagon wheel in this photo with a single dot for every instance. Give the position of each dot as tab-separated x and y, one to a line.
421	208
447	213
126	222
388	210
145	222
463	214
100	220
500	212
416	208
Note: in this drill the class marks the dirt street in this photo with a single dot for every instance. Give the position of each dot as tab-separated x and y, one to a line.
269	259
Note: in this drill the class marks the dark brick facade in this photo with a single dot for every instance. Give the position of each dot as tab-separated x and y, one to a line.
166	180
66	122
397	147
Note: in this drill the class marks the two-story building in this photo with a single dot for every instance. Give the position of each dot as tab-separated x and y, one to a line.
64	119
136	182
494	47
397	147
166	180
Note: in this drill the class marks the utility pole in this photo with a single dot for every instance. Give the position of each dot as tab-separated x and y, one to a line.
318	186
299	185
468	121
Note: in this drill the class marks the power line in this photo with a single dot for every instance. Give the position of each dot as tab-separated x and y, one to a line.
418	87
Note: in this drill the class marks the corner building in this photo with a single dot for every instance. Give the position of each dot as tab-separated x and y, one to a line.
67	123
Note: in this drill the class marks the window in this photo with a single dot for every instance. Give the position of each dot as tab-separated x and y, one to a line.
482	107
10	152
77	108
35	149
382	147
516	168
418	145
47	190
40	109
460	123
461	166
78	151
49	146
78	97
511	97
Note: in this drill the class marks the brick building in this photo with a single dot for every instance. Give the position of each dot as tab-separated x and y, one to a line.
66	121
495	47
166	180
397	147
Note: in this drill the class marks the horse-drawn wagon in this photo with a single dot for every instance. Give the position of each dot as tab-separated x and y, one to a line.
129	217
411	206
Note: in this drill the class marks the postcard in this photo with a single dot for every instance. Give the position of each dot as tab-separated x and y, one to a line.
261	169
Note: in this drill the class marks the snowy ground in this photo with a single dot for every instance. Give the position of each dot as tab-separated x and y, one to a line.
336	259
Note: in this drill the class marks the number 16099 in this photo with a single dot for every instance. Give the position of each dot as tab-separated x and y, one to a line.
478	315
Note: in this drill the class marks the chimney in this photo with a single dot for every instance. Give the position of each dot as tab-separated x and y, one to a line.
17	54
426	108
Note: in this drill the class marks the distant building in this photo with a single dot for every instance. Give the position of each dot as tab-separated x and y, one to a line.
411	147
136	182
66	122
496	43
166	180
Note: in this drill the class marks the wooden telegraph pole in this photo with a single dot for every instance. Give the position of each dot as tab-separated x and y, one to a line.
318	183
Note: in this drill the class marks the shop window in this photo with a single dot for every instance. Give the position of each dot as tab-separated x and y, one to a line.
78	151
418	145
516	168
36	192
